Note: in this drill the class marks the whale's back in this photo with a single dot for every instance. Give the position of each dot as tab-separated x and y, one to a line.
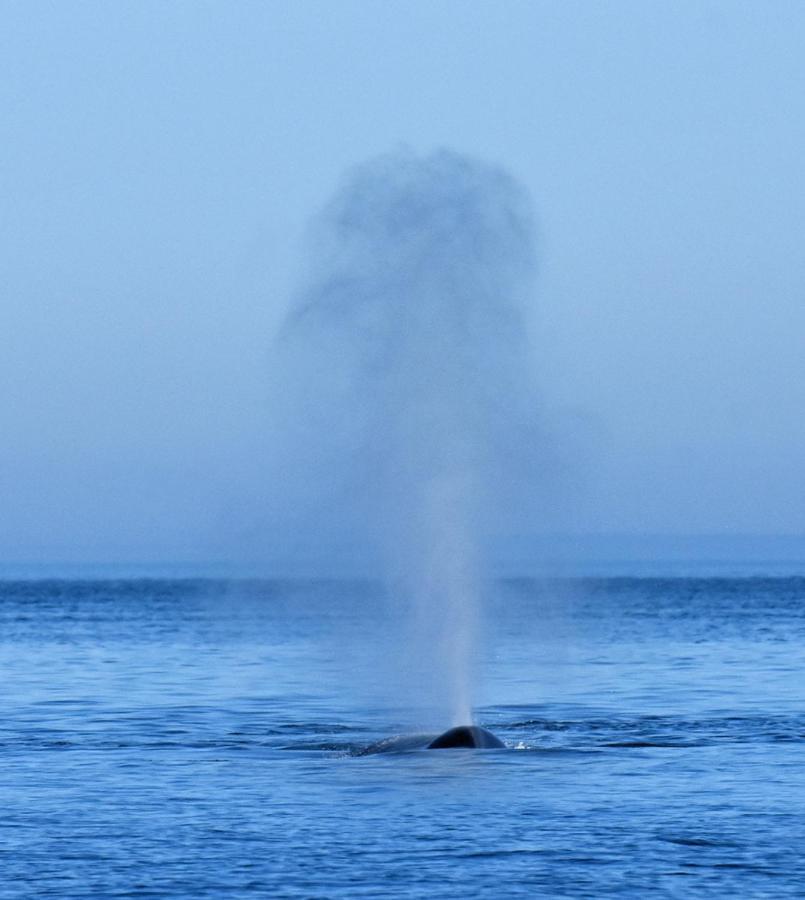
466	736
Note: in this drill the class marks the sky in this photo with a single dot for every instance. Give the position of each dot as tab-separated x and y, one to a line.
160	164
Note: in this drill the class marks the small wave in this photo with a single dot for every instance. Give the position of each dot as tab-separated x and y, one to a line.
644	744
684	841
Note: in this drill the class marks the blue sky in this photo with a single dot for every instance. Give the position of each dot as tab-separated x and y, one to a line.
160	161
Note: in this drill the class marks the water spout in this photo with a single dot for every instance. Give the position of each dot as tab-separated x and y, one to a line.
409	353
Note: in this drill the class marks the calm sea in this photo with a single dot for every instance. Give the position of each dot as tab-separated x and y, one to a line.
198	738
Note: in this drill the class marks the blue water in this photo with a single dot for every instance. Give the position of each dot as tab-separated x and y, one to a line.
200	738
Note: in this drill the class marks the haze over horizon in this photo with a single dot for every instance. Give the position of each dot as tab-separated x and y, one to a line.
161	166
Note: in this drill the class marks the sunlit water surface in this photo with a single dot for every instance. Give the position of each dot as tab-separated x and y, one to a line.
199	738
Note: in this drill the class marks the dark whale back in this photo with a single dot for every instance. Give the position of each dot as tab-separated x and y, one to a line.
466	736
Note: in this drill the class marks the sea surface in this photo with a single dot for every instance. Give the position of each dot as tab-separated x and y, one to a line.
201	737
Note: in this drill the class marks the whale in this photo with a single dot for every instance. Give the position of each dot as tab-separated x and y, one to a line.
467	736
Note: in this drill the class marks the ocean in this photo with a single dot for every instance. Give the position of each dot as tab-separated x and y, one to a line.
202	738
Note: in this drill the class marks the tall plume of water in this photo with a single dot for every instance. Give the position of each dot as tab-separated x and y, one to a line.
405	391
